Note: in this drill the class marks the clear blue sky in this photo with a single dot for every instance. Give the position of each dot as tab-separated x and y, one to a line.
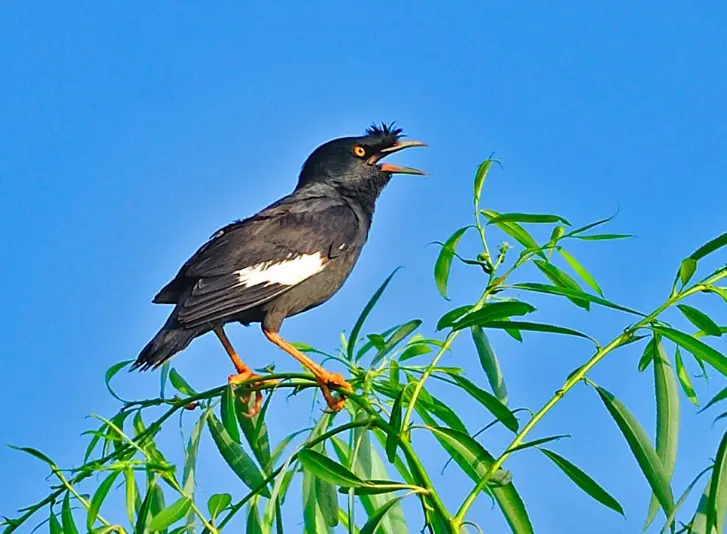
131	132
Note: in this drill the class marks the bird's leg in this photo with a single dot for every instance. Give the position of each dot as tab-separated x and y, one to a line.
324	378
243	372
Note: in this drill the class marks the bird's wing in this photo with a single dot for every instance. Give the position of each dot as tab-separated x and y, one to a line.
255	260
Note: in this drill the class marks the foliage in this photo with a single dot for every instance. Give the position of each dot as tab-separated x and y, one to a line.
365	459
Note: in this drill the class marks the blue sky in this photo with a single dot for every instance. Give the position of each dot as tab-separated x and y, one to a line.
131	131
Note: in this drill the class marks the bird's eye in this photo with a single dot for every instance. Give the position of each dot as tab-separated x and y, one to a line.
359	151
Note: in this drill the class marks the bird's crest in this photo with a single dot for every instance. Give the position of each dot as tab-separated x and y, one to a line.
386	132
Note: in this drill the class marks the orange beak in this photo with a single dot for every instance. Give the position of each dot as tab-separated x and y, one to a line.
396	169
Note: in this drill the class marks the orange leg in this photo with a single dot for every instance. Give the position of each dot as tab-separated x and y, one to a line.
324	378
243	372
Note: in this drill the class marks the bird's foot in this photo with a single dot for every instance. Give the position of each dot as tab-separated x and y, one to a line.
335	403
247	374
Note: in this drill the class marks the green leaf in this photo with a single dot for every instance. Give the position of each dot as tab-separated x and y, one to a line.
492	312
489	363
238	460
327	501
685	494
722	395
581	271
684	379
490	402
700	350
667	419
649	354
180	384
256	434
709	247
650	464
563	280
328	470
514	230
130	483
588	226
528	218
717	501
536	442
110	373
98	499
700	319
376	519
480	176
602	237
444	260
395	423
171	514
449	318
145	511
69	525
567	292
687	269
532	327
397	337
253	520
55	526
164	377
583	481
218	503
227	413
414	350
356	331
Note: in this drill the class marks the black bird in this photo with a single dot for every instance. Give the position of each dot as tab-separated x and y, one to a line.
290	257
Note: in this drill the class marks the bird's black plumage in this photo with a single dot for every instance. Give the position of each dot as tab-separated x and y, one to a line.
291	256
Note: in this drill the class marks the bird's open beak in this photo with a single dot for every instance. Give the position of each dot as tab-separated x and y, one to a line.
398	169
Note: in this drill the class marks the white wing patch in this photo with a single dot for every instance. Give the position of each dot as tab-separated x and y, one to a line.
288	272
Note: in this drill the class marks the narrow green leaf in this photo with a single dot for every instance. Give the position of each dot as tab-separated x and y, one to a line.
528	218
253	525
328	470
684	379
444	260
98	499
180	384
717	501
649	354
414	350
700	350
588	226
395	423
171	514
110	373
514	230
34	452
313	517
397	337
700	319
718	290
142	519
602	237
537	442
256	434
449	318
489	363
667	419
327	501
227	413
583	481
563	280
687	269
490	402
699	521
685	494
642	450
130	483
55	526
480	176
709	247
722	395
532	327
556	235
567	292
218	503
492	312
69	525
581	271
376	519
356	331
394	373
238	460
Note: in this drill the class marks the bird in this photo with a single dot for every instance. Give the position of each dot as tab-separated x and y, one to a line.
288	258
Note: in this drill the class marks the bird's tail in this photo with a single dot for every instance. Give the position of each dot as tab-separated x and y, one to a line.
169	340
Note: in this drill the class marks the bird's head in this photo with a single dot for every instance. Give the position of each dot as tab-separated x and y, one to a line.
355	162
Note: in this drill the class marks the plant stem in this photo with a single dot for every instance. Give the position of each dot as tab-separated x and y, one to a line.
576	377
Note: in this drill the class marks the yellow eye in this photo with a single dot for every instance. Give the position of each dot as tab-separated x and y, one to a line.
359	151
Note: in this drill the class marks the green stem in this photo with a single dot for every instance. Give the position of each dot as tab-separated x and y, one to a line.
576	377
